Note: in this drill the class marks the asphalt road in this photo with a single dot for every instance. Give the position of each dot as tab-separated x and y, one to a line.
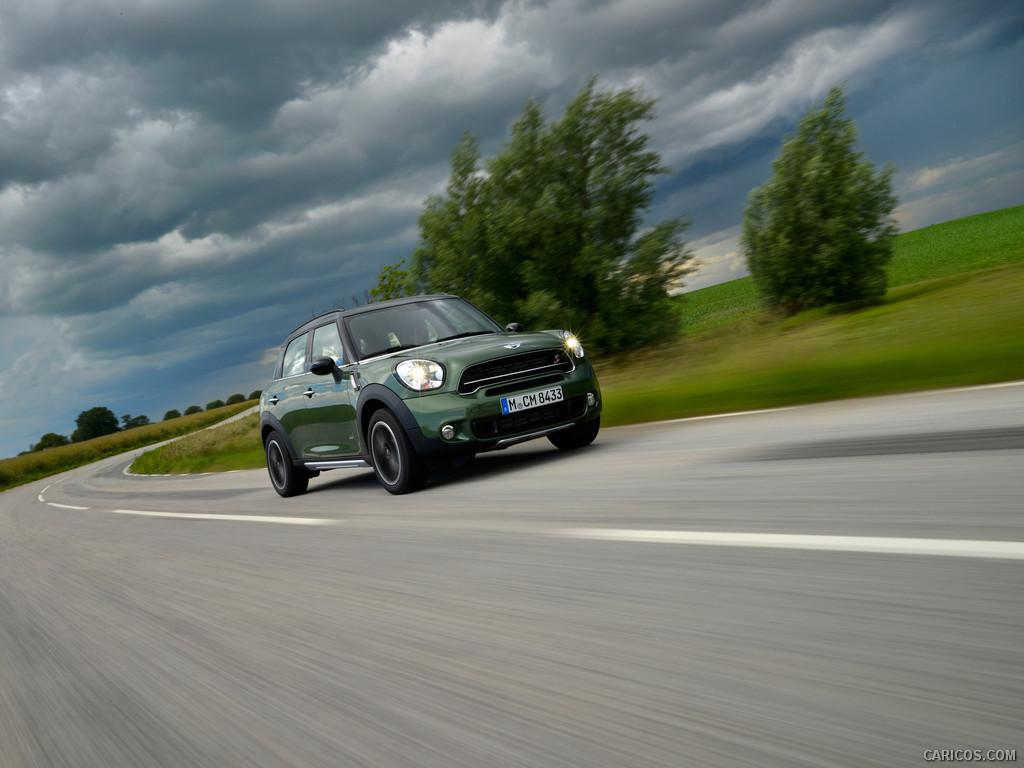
835	585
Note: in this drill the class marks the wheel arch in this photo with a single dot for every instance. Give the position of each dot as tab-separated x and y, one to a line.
270	424
372	398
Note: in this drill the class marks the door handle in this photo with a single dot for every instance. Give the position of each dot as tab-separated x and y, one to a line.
274	400
309	392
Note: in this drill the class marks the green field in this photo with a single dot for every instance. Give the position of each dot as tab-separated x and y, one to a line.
957	330
987	240
953	316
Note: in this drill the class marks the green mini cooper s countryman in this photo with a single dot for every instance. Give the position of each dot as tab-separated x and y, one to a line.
415	384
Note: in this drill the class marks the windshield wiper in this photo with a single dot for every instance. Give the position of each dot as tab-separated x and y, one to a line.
389	350
464	335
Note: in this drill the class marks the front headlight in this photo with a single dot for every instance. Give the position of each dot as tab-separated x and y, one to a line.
420	375
573	344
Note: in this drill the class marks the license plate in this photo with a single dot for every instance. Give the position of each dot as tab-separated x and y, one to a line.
531	400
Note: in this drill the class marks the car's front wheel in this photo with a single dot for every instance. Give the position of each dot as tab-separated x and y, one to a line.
397	466
284	476
577	436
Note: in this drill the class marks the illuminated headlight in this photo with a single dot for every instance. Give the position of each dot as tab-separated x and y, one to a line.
420	375
573	343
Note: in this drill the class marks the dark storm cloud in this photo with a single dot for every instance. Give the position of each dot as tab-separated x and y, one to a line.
181	182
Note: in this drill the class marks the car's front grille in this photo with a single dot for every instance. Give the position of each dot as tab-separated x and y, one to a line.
535	418
522	386
504	370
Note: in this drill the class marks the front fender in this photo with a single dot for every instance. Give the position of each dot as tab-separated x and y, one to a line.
372	397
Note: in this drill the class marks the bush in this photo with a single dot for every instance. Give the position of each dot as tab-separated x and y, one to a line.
820	231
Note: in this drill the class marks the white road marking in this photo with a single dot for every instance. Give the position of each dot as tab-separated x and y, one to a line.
729	415
231	518
53	503
1003	550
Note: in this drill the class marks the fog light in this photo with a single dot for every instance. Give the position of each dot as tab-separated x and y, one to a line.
448	432
591	399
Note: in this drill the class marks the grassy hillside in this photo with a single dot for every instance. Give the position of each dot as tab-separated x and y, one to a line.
976	242
39	464
956	330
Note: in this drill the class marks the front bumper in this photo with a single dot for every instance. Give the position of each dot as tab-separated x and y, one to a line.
479	425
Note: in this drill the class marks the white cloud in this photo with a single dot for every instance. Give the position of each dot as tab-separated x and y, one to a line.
739	110
719	259
964	169
954	202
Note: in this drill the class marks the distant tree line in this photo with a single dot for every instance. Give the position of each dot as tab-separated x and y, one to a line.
100	421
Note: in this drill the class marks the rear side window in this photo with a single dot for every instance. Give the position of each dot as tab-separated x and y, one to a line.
295	357
327	343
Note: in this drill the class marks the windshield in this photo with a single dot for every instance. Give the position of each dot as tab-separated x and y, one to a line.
404	326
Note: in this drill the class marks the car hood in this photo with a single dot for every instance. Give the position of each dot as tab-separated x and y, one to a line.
474	349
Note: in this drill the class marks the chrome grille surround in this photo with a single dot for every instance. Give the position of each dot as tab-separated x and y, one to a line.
512	368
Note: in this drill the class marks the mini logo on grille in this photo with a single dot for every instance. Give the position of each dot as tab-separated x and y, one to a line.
515	345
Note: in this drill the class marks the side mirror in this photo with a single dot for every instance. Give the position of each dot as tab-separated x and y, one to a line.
323	366
515	328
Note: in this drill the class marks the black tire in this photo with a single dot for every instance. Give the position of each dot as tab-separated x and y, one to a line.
576	437
287	479
397	466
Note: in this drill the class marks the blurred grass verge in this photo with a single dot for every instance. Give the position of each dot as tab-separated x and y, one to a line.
951	331
227	447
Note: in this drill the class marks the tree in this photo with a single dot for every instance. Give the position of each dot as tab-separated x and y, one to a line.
235	399
50	440
130	422
391	282
548	231
172	414
95	422
820	231
214	404
255	394
193	409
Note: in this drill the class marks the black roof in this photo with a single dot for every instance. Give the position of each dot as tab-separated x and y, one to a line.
336	313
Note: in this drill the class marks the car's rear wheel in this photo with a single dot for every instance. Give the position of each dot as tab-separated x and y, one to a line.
397	466
576	437
284	476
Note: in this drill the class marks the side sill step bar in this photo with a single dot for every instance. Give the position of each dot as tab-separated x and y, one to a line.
344	464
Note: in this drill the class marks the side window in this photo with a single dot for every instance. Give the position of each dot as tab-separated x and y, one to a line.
327	343
295	357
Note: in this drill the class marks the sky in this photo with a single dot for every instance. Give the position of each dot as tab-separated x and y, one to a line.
183	182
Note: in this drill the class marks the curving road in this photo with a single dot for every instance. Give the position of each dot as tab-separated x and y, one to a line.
833	585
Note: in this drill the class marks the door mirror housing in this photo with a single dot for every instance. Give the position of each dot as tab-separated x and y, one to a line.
323	366
515	328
